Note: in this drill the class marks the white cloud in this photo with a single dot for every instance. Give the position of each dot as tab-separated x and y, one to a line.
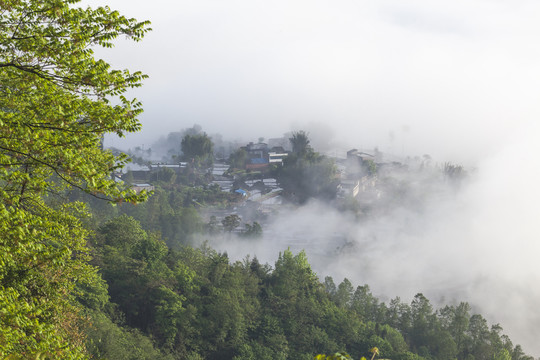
452	72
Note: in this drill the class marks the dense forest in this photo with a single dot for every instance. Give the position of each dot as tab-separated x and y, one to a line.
156	301
91	268
161	298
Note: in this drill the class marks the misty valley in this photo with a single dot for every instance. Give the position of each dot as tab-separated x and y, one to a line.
272	250
215	244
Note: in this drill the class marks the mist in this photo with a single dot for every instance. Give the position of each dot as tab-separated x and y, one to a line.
457	80
476	242
449	78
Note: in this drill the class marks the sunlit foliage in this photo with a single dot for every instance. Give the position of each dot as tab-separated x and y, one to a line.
56	103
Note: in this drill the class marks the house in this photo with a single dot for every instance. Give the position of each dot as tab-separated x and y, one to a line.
355	154
142	186
357	163
242	192
176	167
276	155
350	187
139	172
257	156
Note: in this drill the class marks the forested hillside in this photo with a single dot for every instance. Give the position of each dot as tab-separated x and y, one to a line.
93	268
194	303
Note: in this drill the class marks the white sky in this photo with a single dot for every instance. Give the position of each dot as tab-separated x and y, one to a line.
452	79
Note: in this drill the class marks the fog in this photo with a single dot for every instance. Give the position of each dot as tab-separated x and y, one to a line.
457	80
453	78
477	242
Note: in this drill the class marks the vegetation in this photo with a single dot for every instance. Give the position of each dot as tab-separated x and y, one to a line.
231	222
237	159
82	279
306	174
54	110
198	150
195	303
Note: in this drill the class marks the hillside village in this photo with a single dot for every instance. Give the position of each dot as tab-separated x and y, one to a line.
206	248
255	174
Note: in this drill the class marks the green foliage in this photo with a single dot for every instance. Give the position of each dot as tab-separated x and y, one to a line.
145	300
54	110
335	356
107	340
170	213
195	304
133	264
364	303
330	286
231	222
344	293
198	149
300	144
455	319
255	351
305	174
164	175
121	233
237	160
212	227
94	294
253	231
43	252
502	354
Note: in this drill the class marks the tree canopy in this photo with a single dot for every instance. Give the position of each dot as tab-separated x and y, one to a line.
198	149
300	143
305	173
147	300
57	101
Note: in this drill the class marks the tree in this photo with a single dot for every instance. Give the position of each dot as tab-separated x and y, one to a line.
335	356
479	334
55	107
107	340
330	286
231	222
422	321
305	173
453	173
456	321
364	303
344	293
165	175
253	231
237	160
300	143
198	149
502	354
212	227
171	145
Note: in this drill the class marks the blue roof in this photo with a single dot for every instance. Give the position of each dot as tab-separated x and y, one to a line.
240	191
259	161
